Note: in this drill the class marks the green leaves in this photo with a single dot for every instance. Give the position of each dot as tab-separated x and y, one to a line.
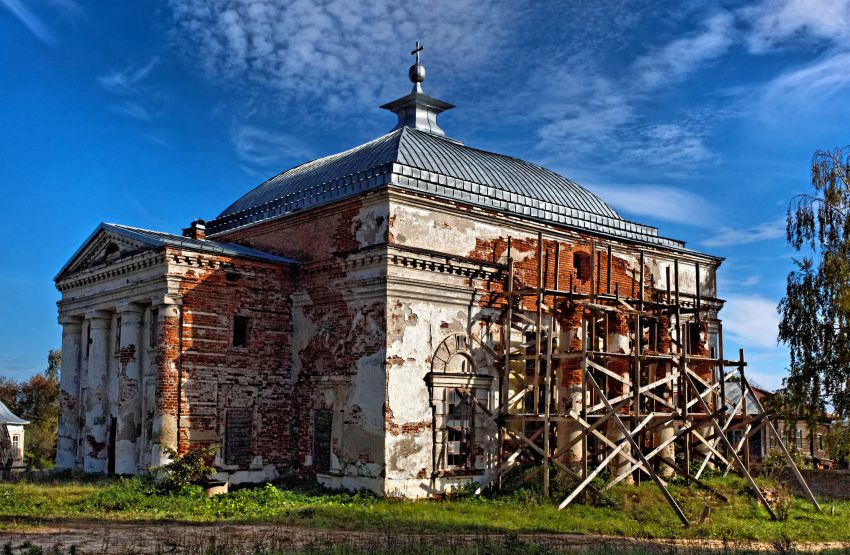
183	470
815	313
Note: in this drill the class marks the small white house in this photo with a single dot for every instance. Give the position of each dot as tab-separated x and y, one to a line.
12	433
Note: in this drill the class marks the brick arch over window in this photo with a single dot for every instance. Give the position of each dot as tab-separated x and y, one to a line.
453	355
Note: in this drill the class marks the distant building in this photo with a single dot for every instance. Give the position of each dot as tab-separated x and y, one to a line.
811	443
11	439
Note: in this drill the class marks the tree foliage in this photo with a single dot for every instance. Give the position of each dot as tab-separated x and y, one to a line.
815	313
838	443
37	400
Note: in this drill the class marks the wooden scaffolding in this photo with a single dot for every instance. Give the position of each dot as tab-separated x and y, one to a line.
571	401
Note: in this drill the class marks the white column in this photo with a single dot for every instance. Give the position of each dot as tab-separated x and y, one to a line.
69	390
96	409
130	392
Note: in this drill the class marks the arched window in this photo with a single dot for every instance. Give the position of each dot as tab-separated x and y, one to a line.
460	399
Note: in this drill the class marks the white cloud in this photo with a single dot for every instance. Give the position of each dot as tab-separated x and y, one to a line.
30	20
682	56
662	203
334	51
263	148
808	85
729	236
751	320
749	281
671	144
776	23
136	98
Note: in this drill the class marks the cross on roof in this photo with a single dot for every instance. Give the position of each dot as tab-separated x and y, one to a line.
416	51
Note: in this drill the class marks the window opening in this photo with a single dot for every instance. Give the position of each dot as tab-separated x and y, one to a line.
459	429
152	338
581	264
240	331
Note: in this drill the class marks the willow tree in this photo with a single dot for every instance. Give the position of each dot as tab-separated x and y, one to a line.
815	313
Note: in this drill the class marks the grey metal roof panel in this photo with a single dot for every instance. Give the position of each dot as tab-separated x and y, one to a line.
7	417
440	166
159	238
156	239
298	180
733	395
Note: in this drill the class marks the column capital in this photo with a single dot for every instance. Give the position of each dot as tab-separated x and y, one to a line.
69	321
128	308
100	316
166	300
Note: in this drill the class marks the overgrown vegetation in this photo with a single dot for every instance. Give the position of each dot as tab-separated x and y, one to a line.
775	462
638	511
191	468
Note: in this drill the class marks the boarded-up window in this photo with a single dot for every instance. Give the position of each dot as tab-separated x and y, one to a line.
237	438
322	425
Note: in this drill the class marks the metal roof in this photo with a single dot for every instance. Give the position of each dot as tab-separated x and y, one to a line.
441	167
159	239
733	395
156	239
7	417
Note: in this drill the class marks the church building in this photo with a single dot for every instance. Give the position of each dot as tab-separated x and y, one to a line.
347	318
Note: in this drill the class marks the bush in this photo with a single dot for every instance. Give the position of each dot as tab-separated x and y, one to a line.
187	469
774	463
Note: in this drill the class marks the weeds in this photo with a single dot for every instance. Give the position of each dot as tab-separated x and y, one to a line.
639	511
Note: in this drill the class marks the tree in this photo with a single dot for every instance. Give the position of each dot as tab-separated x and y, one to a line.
37	400
815	313
838	443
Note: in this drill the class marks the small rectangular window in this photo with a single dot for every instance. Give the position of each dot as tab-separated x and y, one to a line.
152	327
240	331
237	437
799	439
820	442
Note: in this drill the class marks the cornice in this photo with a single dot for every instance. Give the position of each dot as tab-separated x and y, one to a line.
120	267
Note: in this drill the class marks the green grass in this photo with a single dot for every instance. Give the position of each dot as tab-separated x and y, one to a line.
641	511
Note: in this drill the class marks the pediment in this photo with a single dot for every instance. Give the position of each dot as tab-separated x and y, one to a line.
103	248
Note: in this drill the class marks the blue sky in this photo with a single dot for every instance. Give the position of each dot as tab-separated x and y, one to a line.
700	118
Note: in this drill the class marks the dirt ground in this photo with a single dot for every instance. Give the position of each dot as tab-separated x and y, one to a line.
153	537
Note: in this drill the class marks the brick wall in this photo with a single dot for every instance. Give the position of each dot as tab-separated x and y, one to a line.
830	484
216	375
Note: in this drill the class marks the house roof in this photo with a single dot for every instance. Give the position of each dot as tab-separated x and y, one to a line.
7	417
156	239
413	159
733	395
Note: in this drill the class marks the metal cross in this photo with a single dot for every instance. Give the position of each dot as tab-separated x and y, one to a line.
417	51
